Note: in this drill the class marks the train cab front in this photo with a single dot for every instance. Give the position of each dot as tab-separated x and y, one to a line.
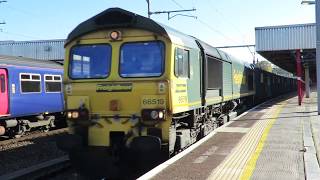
117	98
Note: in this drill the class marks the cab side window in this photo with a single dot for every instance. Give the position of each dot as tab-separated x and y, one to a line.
181	64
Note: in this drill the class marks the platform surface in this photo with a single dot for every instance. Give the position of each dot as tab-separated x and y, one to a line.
277	140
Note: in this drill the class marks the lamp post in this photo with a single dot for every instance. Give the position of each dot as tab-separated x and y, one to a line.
318	51
317	3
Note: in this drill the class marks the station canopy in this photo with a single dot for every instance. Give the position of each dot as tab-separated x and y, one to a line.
278	44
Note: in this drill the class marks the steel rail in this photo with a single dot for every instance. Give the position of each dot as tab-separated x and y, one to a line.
34	136
41	170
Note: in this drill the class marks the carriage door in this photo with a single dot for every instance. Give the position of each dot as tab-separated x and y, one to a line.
4	104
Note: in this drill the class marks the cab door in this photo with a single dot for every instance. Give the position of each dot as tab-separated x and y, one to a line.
4	103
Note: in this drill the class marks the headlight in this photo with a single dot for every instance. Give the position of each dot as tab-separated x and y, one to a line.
153	114
73	114
161	114
79	114
69	115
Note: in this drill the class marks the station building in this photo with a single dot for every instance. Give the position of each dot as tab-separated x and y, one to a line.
42	50
293	48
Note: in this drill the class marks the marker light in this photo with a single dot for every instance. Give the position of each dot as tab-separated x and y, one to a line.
115	35
154	114
75	115
161	115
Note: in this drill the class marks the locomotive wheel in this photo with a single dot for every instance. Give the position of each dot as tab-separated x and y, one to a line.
145	153
17	131
21	132
46	128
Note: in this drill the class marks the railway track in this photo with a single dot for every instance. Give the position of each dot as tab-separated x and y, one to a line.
33	135
30	150
40	171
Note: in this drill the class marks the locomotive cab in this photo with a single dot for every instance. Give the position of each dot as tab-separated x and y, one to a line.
120	83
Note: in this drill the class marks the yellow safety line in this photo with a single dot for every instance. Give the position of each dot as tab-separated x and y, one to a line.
251	164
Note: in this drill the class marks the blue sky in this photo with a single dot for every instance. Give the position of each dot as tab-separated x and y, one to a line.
219	22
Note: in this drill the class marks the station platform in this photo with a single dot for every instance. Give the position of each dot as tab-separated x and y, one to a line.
276	140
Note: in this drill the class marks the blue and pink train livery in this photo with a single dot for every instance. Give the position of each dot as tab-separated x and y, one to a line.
30	94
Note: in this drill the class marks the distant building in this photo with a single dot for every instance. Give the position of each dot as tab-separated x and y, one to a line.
42	49
278	44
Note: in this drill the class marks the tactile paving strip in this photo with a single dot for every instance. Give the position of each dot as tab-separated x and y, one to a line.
281	157
233	166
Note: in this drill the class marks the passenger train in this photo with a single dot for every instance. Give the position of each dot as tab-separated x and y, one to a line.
30	95
137	90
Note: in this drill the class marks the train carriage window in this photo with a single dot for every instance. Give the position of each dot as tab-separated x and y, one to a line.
48	77
25	76
2	83
35	77
53	83
181	66
30	83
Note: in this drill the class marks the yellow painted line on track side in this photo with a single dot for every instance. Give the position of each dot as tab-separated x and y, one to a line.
251	164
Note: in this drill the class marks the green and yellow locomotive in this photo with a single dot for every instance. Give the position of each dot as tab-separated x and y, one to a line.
136	90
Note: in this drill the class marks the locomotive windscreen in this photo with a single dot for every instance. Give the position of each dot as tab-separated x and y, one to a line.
90	61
